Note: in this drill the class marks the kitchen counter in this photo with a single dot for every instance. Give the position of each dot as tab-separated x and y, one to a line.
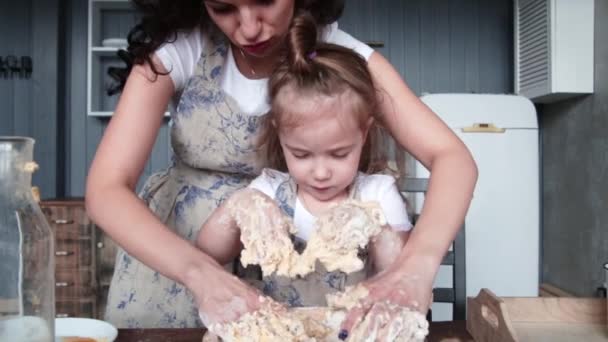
439	331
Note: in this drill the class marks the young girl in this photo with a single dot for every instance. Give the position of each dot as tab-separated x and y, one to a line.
321	135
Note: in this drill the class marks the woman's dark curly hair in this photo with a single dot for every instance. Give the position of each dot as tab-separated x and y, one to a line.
161	20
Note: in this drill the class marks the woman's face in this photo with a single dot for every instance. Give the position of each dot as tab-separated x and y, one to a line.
258	27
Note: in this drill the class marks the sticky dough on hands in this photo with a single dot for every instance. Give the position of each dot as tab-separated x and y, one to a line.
264	233
339	234
384	322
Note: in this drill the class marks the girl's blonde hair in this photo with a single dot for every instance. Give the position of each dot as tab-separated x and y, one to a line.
315	68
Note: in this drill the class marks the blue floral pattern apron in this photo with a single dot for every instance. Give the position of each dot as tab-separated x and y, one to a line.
214	155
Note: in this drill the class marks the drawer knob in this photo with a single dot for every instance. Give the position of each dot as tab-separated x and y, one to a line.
63	253
62	284
63	221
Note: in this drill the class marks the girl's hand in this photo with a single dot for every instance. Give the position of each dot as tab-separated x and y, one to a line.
408	285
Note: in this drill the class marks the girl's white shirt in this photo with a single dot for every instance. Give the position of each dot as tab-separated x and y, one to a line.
181	56
377	187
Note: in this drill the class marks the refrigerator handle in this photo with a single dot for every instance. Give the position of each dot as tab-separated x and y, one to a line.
483	128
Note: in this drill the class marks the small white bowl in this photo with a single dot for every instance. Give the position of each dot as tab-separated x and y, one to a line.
84	327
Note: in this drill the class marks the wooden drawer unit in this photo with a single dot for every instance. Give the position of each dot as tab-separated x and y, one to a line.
75	266
74	283
84	307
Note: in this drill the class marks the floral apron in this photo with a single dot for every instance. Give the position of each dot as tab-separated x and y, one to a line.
214	155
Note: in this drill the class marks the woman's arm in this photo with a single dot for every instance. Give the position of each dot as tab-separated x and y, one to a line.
113	205
416	128
386	247
220	235
453	172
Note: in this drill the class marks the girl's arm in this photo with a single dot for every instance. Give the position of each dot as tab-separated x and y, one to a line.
247	212
113	205
417	129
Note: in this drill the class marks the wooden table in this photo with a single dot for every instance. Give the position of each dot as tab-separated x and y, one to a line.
440	331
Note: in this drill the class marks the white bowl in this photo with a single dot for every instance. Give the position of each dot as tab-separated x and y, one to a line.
84	327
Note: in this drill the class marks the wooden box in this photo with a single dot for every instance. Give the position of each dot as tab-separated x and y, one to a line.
522	319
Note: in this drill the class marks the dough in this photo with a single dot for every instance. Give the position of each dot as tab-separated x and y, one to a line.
384	322
264	233
270	323
339	234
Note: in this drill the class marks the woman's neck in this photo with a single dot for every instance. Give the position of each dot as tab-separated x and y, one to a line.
253	67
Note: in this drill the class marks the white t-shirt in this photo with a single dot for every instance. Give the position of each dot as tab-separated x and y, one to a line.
181	56
376	187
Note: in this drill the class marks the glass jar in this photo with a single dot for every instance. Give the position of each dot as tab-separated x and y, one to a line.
27	277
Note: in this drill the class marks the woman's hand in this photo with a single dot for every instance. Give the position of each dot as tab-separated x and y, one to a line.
222	297
408	285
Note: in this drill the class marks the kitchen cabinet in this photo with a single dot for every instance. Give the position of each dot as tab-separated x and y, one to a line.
109	22
84	260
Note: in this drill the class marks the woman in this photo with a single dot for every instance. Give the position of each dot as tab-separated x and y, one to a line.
213	58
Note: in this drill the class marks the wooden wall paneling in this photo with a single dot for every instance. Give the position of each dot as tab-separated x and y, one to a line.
443	45
15	34
412	44
77	163
471	32
458	37
21	92
496	60
45	39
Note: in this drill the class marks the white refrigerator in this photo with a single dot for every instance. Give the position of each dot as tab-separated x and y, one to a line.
502	225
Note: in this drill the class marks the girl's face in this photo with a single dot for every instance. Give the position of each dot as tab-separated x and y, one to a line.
258	27
322	153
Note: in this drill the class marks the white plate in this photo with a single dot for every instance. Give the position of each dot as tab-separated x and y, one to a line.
114	42
84	327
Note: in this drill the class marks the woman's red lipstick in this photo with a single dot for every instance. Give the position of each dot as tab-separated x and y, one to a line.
257	48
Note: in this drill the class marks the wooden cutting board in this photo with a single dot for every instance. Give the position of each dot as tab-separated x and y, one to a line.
523	319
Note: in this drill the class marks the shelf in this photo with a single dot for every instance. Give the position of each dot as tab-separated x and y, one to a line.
109	114
105	49
106	19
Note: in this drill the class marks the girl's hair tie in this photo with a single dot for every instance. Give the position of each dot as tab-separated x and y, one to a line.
312	54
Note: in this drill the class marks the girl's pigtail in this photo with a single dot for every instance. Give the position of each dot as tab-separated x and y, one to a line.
301	46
